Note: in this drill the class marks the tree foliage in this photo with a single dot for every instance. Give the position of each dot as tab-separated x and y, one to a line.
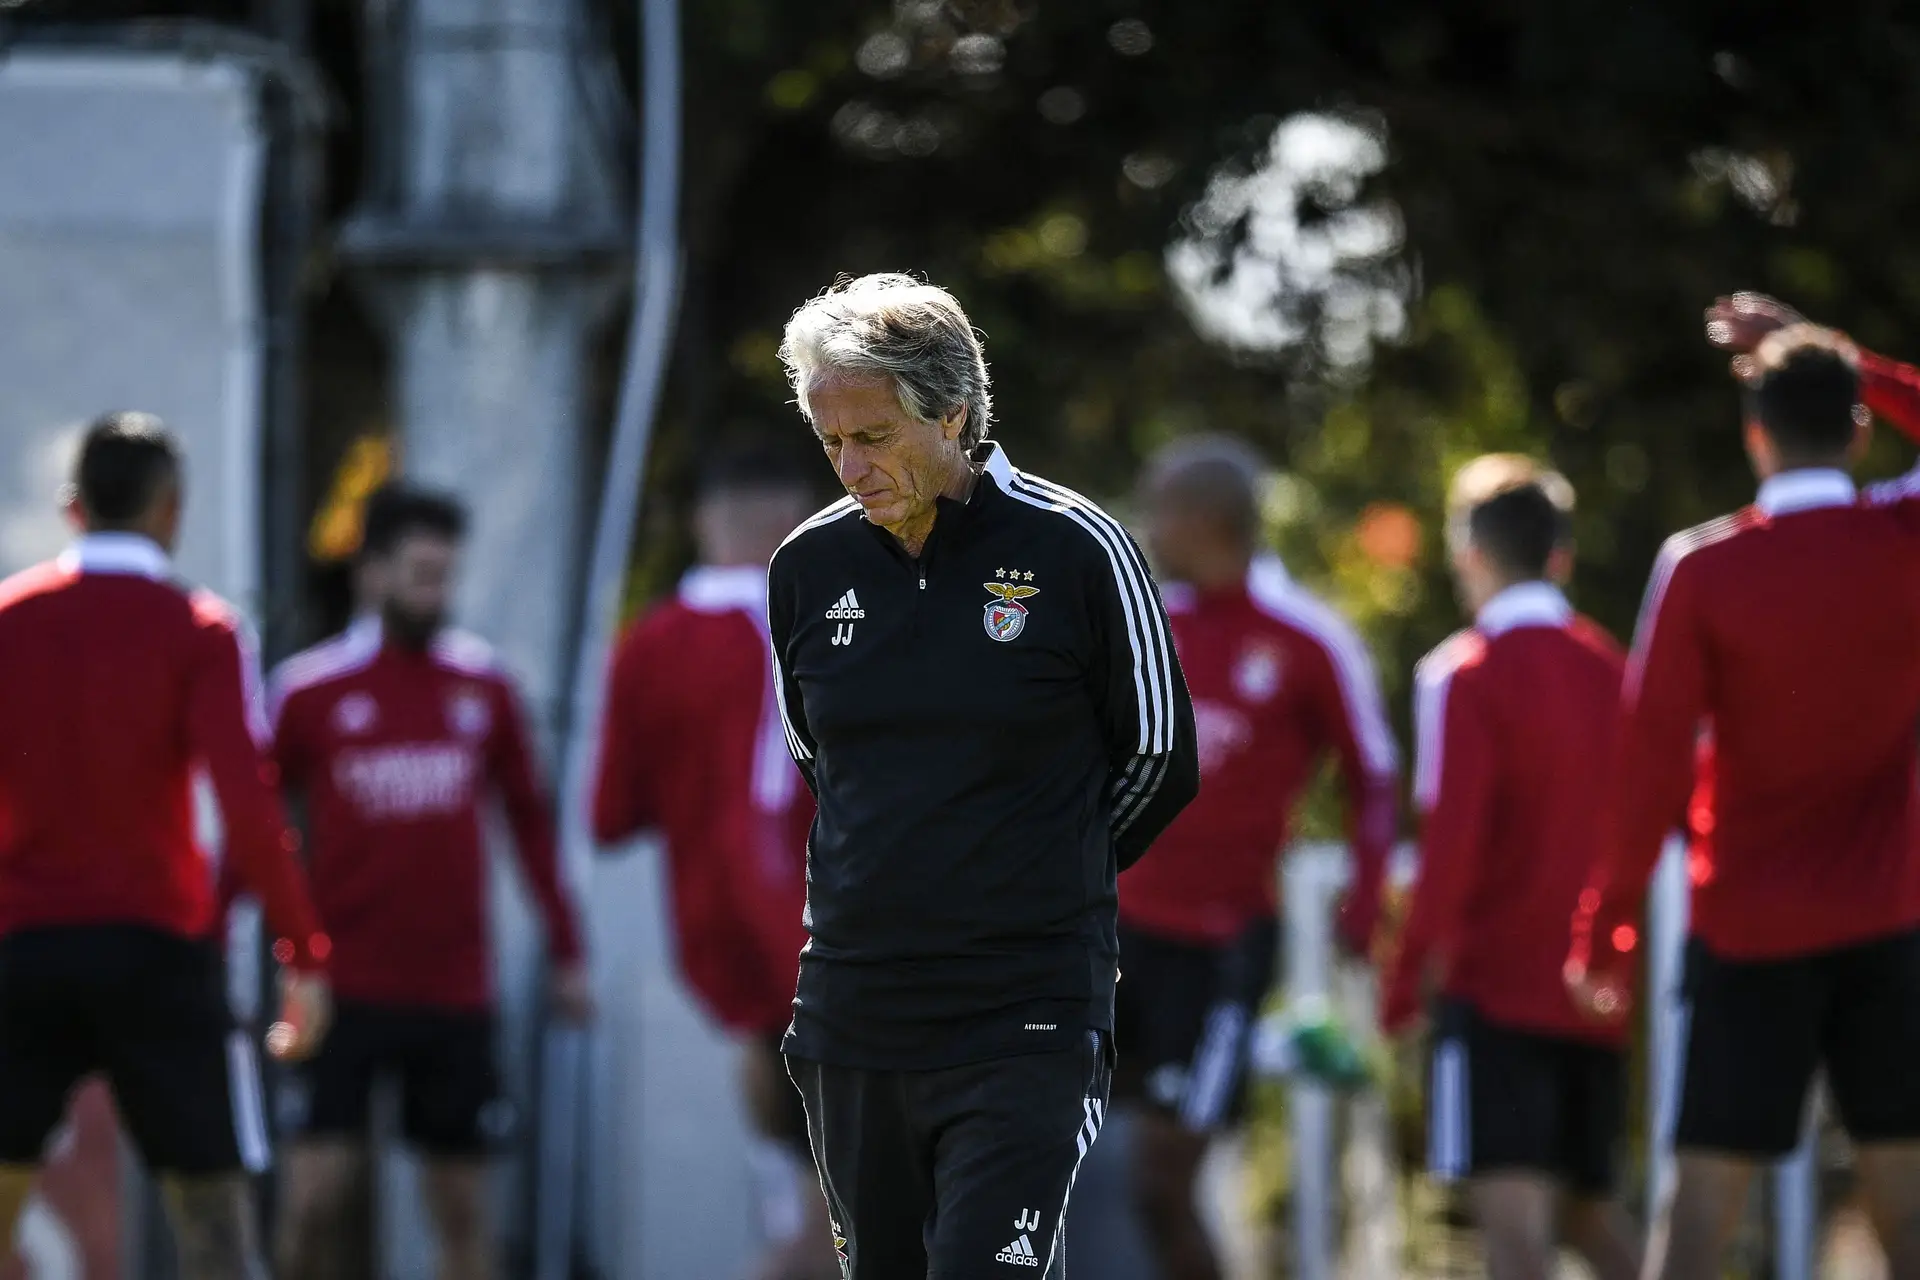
1534	202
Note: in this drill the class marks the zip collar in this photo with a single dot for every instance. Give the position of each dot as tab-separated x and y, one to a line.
993	462
1806	490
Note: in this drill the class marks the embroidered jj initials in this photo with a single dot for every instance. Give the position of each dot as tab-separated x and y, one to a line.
843	633
1029	1220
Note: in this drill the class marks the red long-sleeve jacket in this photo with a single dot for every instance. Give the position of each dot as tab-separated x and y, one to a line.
692	745
1515	721
1789	634
1279	681
396	752
116	685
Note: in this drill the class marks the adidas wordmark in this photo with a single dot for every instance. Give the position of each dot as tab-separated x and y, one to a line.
846	609
1019	1253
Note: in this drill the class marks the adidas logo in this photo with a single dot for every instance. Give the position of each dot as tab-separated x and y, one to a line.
1019	1253
845	609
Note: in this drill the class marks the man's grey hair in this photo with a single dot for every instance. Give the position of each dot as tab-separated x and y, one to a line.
901	328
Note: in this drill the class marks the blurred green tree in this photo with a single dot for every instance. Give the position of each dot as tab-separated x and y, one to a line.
1374	237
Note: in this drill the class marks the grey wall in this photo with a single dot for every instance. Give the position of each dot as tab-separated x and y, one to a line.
129	188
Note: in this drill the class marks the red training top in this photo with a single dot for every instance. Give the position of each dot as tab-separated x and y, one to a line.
1790	633
116	684
692	744
1515	721
1278	679
395	750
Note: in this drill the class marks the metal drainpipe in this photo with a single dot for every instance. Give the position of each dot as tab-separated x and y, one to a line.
649	345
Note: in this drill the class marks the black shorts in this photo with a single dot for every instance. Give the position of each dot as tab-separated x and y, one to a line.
1757	1031
959	1172
1183	1014
149	1010
443	1060
1502	1100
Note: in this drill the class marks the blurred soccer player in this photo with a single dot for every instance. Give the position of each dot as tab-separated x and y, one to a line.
692	744
115	683
1528	1096
1790	633
1279	681
397	733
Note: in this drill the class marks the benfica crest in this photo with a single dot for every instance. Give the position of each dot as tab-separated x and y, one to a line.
1006	617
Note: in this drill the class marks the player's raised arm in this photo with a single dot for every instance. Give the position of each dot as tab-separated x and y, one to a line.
1889	388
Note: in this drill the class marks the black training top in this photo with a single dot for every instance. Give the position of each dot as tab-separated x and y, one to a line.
992	731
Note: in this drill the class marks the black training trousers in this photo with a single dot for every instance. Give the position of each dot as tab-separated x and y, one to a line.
960	1173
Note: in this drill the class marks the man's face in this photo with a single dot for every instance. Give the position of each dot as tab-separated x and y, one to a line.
417	581
894	464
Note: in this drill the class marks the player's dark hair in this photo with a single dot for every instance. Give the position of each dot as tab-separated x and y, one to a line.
750	468
1803	391
125	459
397	511
1515	511
1217	474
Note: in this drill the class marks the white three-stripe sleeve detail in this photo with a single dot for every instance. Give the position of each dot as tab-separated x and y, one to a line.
1650	615
798	748
1154	771
794	743
1135	584
827	515
253	694
350	651
1672	552
1146	627
1352	662
1145	678
1432	680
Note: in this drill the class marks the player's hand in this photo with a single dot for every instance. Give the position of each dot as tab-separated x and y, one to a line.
1600	997
573	994
1739	322
306	1011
